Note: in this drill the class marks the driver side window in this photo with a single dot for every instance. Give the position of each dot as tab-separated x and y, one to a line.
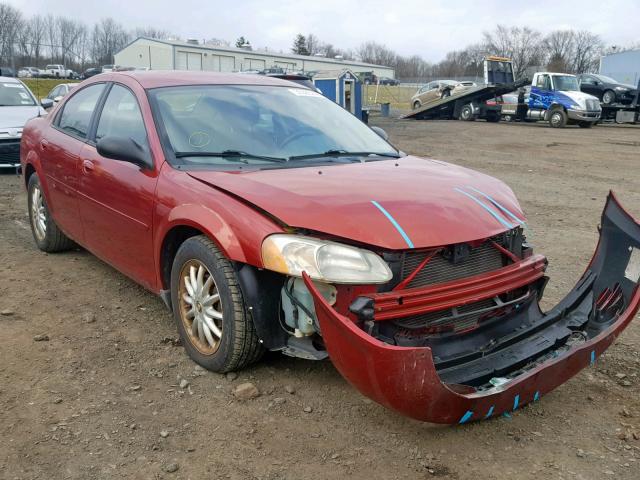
544	82
121	117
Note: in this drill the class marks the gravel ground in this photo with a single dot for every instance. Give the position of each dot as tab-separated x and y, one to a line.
92	385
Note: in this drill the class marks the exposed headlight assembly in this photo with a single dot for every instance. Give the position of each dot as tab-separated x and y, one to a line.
323	260
621	89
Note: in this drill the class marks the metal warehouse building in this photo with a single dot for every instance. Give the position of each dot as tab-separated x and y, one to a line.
174	55
623	66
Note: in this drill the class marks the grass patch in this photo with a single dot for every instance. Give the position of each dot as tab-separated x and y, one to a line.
41	86
398	96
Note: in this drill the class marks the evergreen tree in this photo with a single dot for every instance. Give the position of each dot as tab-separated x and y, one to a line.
300	45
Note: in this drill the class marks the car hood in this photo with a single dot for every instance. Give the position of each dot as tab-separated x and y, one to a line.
579	98
395	204
16	117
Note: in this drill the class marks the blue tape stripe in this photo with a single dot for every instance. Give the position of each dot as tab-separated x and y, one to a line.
493	213
593	357
489	413
536	396
466	417
516	402
497	204
394	223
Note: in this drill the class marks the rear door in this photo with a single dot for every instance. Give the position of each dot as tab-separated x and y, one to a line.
117	197
59	150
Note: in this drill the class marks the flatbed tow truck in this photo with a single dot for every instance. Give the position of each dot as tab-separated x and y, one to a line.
623	113
471	103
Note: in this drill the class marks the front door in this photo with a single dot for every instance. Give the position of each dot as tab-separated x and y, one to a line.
59	153
116	197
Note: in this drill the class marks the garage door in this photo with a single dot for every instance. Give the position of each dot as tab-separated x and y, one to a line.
181	61
227	64
189	61
253	64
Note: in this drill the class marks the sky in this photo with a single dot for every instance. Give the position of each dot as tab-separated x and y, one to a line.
428	28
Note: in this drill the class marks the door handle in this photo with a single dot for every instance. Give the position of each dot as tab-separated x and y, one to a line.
87	166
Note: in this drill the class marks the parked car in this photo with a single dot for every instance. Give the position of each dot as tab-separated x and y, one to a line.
58	92
270	218
303	80
607	89
388	81
107	68
90	72
17	106
29	72
56	71
7	72
368	78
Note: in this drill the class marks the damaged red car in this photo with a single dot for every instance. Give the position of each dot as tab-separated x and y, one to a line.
269	218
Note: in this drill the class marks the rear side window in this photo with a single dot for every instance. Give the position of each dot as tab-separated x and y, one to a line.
76	116
121	117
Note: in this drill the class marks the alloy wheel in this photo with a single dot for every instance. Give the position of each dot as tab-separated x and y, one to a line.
200	307
38	213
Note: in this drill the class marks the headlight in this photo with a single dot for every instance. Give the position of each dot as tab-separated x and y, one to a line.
323	260
621	89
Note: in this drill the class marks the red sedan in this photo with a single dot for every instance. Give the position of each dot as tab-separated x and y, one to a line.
269	218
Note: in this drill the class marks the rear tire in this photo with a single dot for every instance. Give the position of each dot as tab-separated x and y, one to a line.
558	118
217	334
47	235
466	114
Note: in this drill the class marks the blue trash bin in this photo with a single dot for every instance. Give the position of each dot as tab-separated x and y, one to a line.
384	109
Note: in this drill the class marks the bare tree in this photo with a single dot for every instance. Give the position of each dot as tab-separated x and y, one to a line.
10	24
522	44
313	44
376	53
586	52
108	38
151	32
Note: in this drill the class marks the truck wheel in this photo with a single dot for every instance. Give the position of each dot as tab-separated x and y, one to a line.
466	113
586	124
49	238
609	97
558	118
416	105
215	325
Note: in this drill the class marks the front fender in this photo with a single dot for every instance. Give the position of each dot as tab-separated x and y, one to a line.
603	303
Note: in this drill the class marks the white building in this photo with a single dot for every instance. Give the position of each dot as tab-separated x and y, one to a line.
174	55
622	66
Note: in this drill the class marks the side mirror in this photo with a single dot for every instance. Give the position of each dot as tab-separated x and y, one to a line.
124	149
57	99
380	133
46	103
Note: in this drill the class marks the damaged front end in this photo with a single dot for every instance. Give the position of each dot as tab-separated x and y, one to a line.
473	347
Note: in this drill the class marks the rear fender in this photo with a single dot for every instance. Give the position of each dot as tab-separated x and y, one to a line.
405	378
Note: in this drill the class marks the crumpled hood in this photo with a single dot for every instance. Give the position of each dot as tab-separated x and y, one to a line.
395	204
16	117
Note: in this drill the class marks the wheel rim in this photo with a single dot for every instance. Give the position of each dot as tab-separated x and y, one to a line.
200	307
607	97
38	213
556	119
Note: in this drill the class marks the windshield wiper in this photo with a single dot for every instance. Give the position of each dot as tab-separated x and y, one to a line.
343	153
235	155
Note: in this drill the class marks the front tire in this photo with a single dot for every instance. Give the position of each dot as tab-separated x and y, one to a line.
558	118
216	328
416	105
47	235
608	97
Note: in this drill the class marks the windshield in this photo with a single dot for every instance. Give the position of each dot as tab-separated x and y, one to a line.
15	95
605	79
259	121
566	83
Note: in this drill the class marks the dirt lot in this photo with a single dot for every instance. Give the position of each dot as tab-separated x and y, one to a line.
101	398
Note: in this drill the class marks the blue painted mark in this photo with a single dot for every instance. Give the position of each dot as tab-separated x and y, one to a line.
536	396
593	357
516	402
497	204
493	213
394	223
489	413
466	417
506	414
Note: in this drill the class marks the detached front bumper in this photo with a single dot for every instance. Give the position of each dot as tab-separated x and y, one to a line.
542	353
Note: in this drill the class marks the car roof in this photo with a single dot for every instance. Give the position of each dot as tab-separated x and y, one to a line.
9	80
159	78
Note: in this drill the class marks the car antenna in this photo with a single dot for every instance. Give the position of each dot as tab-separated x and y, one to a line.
38	97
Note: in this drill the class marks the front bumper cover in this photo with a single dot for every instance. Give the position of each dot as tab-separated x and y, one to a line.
406	379
584	115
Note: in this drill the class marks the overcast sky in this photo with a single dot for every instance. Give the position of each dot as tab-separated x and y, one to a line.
425	27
